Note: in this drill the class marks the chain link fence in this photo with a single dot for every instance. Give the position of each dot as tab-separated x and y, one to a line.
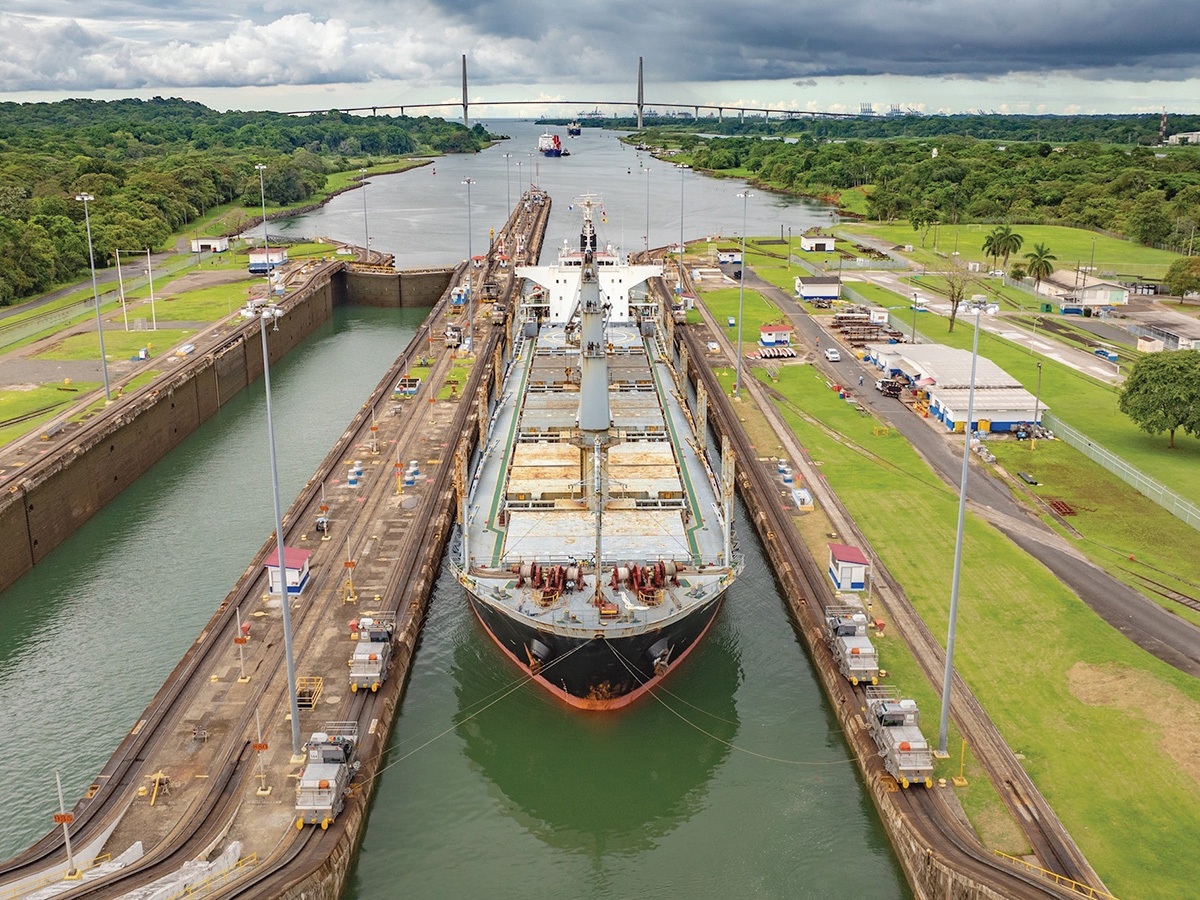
1159	493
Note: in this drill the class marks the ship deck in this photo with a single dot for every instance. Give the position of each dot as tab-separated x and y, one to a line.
662	501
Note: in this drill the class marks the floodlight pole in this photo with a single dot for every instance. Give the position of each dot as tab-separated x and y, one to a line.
272	313
944	723
87	219
470	272
508	179
366	229
737	377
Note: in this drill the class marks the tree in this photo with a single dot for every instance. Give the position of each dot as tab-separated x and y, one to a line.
991	247
1041	264
922	218
1183	277
958	279
1162	393
1008	242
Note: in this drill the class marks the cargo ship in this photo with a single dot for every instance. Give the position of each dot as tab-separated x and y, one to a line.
549	145
596	544
574	129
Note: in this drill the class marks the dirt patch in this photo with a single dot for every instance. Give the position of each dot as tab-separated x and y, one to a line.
1137	694
195	280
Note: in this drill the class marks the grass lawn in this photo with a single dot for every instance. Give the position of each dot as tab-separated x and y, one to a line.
1097	720
43	401
1122	529
1072	246
855	200
202	304
881	296
1086	405
456	379
759	311
117	344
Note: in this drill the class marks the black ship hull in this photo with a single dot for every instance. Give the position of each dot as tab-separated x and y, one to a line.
597	673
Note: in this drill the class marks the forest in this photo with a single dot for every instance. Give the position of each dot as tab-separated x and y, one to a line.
154	166
1149	194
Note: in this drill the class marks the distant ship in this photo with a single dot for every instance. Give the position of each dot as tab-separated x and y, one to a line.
549	145
597	544
574	129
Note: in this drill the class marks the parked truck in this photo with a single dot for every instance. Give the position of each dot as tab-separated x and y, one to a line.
373	652
895	725
846	633
324	781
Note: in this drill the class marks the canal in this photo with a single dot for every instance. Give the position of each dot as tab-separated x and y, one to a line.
732	780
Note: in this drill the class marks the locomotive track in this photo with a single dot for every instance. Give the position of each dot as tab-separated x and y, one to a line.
228	761
808	595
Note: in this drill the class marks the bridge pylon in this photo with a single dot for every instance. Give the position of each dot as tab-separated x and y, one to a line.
466	120
641	101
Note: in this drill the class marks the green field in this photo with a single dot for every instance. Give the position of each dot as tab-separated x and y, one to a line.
1071	246
204	304
1094	717
117	344
1117	527
759	311
1086	405
40	402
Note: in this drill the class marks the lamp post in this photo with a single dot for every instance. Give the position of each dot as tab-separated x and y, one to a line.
1037	320
737	376
958	544
87	220
366	230
272	314
914	328
647	170
519	178
470	272
789	259
1037	401
682	175
262	193
508	179
150	279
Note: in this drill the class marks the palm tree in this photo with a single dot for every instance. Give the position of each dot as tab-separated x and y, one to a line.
1008	242
991	246
1041	264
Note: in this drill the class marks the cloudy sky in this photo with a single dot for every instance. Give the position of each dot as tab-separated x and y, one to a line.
1061	56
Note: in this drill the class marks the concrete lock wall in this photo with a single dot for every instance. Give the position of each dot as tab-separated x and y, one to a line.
83	475
404	289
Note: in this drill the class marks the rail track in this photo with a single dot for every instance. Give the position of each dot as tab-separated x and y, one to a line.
212	810
808	595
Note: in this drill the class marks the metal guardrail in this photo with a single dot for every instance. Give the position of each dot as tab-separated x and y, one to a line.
1077	887
13	332
1156	491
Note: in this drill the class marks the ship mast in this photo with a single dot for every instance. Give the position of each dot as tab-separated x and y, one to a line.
594	414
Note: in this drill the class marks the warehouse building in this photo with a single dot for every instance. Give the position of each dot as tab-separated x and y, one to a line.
942	376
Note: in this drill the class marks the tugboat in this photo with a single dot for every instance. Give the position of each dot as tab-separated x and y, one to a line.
596	547
549	145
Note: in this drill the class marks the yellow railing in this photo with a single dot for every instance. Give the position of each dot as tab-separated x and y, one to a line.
1083	890
25	889
202	888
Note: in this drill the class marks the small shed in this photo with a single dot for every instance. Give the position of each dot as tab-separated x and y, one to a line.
775	336
821	243
818	287
729	255
296	566
848	567
210	245
264	260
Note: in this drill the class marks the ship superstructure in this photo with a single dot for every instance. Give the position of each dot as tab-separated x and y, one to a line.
596	550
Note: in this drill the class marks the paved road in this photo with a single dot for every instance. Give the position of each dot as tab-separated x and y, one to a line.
1155	629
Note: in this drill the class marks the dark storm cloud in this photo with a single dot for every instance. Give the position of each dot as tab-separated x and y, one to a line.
60	45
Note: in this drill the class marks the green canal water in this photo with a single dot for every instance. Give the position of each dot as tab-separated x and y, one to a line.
732	780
